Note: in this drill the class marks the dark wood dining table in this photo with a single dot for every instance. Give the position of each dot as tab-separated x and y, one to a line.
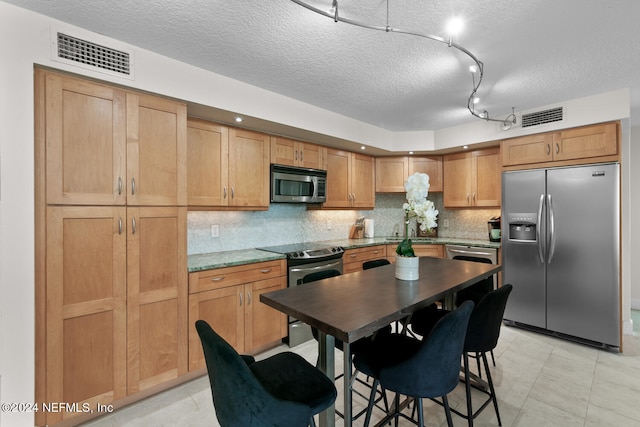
355	305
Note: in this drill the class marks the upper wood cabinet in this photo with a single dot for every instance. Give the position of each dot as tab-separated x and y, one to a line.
350	180
85	133
569	146
285	151
156	151
226	166
393	172
105	146
207	163
472	179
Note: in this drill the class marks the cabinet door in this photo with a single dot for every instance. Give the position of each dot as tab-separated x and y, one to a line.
156	296
248	168
586	141
528	149
156	151
264	325
284	151
223	309
85	306
207	163
432	166
436	251
85	142
363	194
457	180
338	187
311	156
488	184
391	174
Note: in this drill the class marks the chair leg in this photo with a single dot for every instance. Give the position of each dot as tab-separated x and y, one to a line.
493	392
447	411
493	359
418	403
372	402
312	422
467	385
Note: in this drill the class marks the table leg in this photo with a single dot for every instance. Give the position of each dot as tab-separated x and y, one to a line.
346	350
326	363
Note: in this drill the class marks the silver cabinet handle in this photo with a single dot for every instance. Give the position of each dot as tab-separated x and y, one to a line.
353	255
296	156
557	148
249	298
473	197
301	155
240	295
224	192
133	225
548	148
119	225
217	279
468	198
265	270
119	185
233	193
133	186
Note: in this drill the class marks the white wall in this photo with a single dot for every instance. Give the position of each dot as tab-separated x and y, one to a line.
25	41
633	229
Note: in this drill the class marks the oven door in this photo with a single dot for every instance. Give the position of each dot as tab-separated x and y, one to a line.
301	332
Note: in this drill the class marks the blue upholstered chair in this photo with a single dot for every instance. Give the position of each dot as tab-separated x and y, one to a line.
482	337
415	368
283	390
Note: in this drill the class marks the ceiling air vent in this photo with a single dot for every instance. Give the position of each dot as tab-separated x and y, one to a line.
93	55
542	117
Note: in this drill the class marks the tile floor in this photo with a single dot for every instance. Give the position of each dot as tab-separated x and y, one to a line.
540	381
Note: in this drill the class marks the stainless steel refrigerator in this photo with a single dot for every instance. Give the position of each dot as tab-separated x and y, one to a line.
561	251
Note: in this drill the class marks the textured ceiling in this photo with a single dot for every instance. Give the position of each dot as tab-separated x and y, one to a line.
535	53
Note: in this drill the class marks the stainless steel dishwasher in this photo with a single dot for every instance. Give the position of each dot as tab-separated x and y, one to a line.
475	254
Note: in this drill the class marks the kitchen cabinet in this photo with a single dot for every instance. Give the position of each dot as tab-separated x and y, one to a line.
472	179
156	296
435	251
393	172
207	163
350	180
86	335
227	167
565	147
285	151
111	281
353	258
106	146
229	300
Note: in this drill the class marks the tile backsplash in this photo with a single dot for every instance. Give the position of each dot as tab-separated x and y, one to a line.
292	223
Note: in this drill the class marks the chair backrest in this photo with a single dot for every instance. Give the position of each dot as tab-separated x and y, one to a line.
486	319
375	263
238	397
433	370
319	275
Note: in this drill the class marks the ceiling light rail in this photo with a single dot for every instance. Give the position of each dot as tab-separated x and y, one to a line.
477	69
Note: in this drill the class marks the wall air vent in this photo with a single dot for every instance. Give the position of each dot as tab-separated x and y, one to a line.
542	117
93	56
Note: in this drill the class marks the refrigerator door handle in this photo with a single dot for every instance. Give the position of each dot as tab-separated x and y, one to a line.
540	246
552	230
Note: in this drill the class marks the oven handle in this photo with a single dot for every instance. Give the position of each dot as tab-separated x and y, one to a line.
302	268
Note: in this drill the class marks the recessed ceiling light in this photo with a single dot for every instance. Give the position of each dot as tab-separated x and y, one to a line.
363	148
410	152
465	146
238	119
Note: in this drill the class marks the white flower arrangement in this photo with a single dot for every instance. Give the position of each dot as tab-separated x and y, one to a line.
417	206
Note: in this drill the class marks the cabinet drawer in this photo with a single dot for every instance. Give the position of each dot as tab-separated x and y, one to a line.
436	251
230	276
353	258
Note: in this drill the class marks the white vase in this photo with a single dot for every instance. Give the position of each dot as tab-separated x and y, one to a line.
407	268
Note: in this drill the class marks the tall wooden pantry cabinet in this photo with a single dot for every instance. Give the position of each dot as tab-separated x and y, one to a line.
111	281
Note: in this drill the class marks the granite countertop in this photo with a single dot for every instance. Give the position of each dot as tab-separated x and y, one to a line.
208	261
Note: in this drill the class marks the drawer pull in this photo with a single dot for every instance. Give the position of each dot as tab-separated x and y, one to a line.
353	255
265	270
217	279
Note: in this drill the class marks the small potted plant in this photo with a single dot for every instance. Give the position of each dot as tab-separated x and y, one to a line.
424	211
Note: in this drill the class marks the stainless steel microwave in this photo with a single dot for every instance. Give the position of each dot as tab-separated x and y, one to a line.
297	185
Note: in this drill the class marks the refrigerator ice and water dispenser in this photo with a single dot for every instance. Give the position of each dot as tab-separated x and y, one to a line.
522	227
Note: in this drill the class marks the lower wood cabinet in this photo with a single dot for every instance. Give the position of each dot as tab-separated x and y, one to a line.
353	258
436	251
229	300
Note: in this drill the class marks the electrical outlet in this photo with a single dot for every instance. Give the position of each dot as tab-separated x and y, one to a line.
215	230
445	223
329	225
